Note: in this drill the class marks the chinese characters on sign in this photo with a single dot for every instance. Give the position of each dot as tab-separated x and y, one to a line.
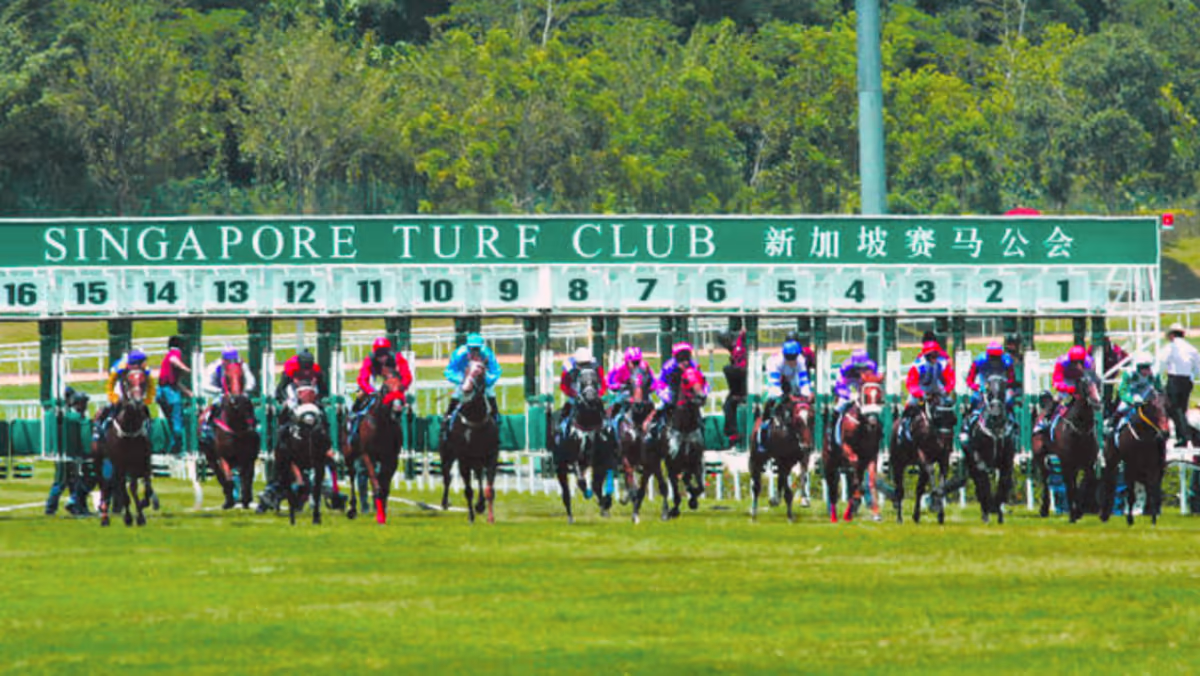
919	243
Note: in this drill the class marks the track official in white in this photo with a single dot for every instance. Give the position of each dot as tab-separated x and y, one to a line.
1181	362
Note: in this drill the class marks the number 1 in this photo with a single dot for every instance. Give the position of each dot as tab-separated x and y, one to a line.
1064	290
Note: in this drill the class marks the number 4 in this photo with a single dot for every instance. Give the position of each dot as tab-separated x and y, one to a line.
855	291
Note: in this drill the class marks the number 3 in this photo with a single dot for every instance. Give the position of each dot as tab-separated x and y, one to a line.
925	291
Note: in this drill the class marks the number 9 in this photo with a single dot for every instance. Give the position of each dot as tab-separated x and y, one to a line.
509	289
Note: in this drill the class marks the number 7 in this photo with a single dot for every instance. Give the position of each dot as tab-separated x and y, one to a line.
648	287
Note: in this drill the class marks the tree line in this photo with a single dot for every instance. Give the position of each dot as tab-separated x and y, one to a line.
158	107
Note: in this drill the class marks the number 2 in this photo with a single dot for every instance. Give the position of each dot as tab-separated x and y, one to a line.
994	286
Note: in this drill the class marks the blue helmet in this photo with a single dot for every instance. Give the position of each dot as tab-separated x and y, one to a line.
229	354
474	340
791	349
136	356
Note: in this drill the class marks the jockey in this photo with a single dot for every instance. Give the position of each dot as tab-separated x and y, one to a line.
735	379
618	378
568	383
214	385
849	382
789	368
456	370
930	375
810	357
1137	385
993	362
171	390
1069	368
382	356
300	369
670	380
134	360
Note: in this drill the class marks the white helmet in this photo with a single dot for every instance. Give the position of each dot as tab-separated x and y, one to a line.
583	355
1142	359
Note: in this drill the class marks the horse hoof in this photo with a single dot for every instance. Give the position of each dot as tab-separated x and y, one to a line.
445	505
154	501
1000	517
604	513
805	502
941	517
877	518
104	520
128	521
491	519
229	503
316	519
351	513
674	512
791	519
479	507
693	503
636	519
570	519
985	517
774	502
380	518
141	520
625	499
666	516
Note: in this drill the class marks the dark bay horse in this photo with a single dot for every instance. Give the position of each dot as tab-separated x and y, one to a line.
377	444
928	446
685	440
789	442
1071	436
235	437
125	452
991	447
634	447
474	441
861	433
1139	446
588	444
305	450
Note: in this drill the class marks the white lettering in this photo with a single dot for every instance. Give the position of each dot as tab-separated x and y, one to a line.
526	235
707	240
57	243
576	236
81	236
230	236
190	242
343	234
256	241
437	241
650	229
488	234
407	230
304	236
121	247
617	253
160	243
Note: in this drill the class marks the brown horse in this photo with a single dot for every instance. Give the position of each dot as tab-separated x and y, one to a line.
927	445
1072	437
1140	445
125	451
474	441
635	449
588	443
377	444
235	437
305	449
991	447
685	440
789	442
857	450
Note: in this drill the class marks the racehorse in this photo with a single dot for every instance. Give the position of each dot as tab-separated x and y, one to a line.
789	443
377	445
587	444
928	444
685	440
304	450
235	439
474	441
1072	437
861	433
1139	445
991	447
125	452
634	447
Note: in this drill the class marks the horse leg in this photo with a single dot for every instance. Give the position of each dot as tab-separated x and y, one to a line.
872	485
673	478
490	491
697	473
661	480
898	488
831	487
447	466
983	484
387	470
373	478
247	472
805	488
1069	475
464	471
923	480
352	471
318	488
1154	495
564	485
853	493
784	486
1004	487
225	476
481	501
1108	482
1044	477
135	502
756	469
599	476
126	507
940	491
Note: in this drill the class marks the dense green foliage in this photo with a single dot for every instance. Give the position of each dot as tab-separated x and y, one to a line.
220	593
520	106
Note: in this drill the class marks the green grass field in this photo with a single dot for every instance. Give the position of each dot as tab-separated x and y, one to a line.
230	593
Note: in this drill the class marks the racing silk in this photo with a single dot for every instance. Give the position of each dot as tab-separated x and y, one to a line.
985	366
114	376
737	353
295	375
569	380
850	376
213	377
166	372
619	377
457	367
1067	374
794	373
926	377
669	380
372	369
1133	384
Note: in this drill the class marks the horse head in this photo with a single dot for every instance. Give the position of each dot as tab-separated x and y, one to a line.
133	386
589	388
391	393
1087	399
1153	413
307	411
233	379
474	379
995	397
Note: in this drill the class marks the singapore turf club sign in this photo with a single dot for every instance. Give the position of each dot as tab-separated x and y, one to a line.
561	240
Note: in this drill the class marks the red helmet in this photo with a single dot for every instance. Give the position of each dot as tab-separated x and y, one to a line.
381	344
1077	353
995	349
929	346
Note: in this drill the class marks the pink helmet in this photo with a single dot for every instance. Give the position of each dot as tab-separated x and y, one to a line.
681	347
633	354
1077	353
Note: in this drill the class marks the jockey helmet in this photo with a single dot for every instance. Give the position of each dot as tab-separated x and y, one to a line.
136	356
1143	359
305	360
860	357
633	354
1077	353
791	350
682	351
583	356
930	347
229	354
995	349
474	340
381	343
